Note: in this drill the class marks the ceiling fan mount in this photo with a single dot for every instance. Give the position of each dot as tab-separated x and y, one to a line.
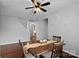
38	6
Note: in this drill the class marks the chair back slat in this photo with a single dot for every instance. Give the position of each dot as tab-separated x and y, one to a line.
57	38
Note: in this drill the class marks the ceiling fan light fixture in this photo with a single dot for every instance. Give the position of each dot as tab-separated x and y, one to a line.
38	6
37	9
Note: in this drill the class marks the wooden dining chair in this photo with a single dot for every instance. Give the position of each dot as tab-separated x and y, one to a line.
25	55
58	48
50	54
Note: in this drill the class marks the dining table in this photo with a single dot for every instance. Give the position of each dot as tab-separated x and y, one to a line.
37	49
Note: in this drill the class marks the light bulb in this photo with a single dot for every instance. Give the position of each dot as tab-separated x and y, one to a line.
37	9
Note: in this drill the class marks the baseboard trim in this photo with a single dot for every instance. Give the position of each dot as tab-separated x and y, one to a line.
71	53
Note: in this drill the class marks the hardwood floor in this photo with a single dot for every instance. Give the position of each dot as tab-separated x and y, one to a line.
14	51
67	55
11	51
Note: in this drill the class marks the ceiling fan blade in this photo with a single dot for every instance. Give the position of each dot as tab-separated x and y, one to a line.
45	4
29	7
43	10
33	1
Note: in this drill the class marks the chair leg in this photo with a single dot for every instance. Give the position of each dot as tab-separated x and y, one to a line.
52	54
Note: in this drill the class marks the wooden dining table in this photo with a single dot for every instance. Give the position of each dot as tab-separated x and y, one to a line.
36	49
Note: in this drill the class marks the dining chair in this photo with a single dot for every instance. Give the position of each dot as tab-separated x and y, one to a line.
58	48
25	55
49	54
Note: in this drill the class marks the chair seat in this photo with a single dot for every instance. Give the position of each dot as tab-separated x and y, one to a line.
47	54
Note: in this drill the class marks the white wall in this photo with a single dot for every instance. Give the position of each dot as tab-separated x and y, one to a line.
65	23
11	30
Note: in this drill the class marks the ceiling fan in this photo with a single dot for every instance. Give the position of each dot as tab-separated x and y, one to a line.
38	6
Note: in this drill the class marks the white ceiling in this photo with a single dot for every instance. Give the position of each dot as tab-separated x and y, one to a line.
16	8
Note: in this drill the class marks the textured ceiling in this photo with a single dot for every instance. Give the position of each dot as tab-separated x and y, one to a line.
16	8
